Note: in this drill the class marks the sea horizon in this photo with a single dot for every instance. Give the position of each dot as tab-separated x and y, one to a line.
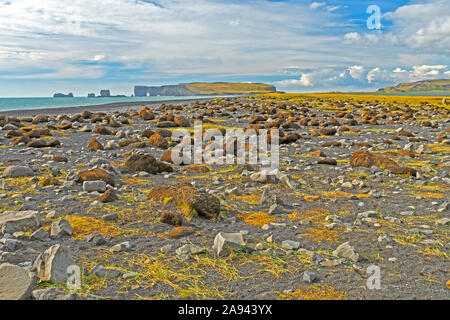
37	103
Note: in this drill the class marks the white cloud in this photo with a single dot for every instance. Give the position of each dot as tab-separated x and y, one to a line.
356	72
421	72
304	81
416	73
98	57
175	38
352	37
423	26
332	8
315	5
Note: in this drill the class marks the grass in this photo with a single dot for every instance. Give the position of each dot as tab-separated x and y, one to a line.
368	98
318	232
257	219
84	226
227	88
316	292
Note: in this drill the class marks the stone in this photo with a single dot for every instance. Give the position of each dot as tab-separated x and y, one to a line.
14	221
224	242
171	218
110	216
96	175
51	265
367	214
107	273
290	245
158	141
40	235
54	293
91	186
363	158
109	196
201	203
262	177
127	276
147	163
96	239
345	250
275	209
12	257
17	171
189	249
124	246
94	144
15	282
181	232
10	245
61	228
444	221
309	276
328	161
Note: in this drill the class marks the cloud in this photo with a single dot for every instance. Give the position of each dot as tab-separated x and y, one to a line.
356	72
315	5
204	40
304	81
172	37
352	37
416	73
423	26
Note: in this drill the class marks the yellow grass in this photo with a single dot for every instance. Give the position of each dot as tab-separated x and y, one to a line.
317	292
258	219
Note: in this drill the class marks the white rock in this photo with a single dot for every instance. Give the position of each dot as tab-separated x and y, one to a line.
15	282
52	264
91	186
18	171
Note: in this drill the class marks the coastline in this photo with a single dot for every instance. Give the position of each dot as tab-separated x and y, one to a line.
117	106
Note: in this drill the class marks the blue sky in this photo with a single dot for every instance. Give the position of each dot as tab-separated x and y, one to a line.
84	46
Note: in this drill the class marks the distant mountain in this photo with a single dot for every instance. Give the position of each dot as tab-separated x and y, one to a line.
442	85
203	88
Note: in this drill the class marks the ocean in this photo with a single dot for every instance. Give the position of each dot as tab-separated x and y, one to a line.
7	104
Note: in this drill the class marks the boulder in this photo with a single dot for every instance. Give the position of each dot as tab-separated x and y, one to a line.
158	141
91	186
346	251
366	159
61	228
181	232
17	171
224	242
147	163
95	145
95	175
171	218
51	265
15	282
14	221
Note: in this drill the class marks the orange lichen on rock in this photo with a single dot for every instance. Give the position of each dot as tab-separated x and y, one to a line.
366	159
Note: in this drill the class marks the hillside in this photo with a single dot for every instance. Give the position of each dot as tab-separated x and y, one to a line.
203	88
441	85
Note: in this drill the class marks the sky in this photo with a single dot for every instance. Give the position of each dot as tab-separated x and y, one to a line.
83	46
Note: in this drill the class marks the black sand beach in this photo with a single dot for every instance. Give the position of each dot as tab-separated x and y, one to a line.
109	107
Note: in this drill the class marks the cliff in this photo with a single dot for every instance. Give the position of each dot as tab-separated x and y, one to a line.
62	95
201	88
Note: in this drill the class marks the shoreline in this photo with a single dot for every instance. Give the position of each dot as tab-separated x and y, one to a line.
116	106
